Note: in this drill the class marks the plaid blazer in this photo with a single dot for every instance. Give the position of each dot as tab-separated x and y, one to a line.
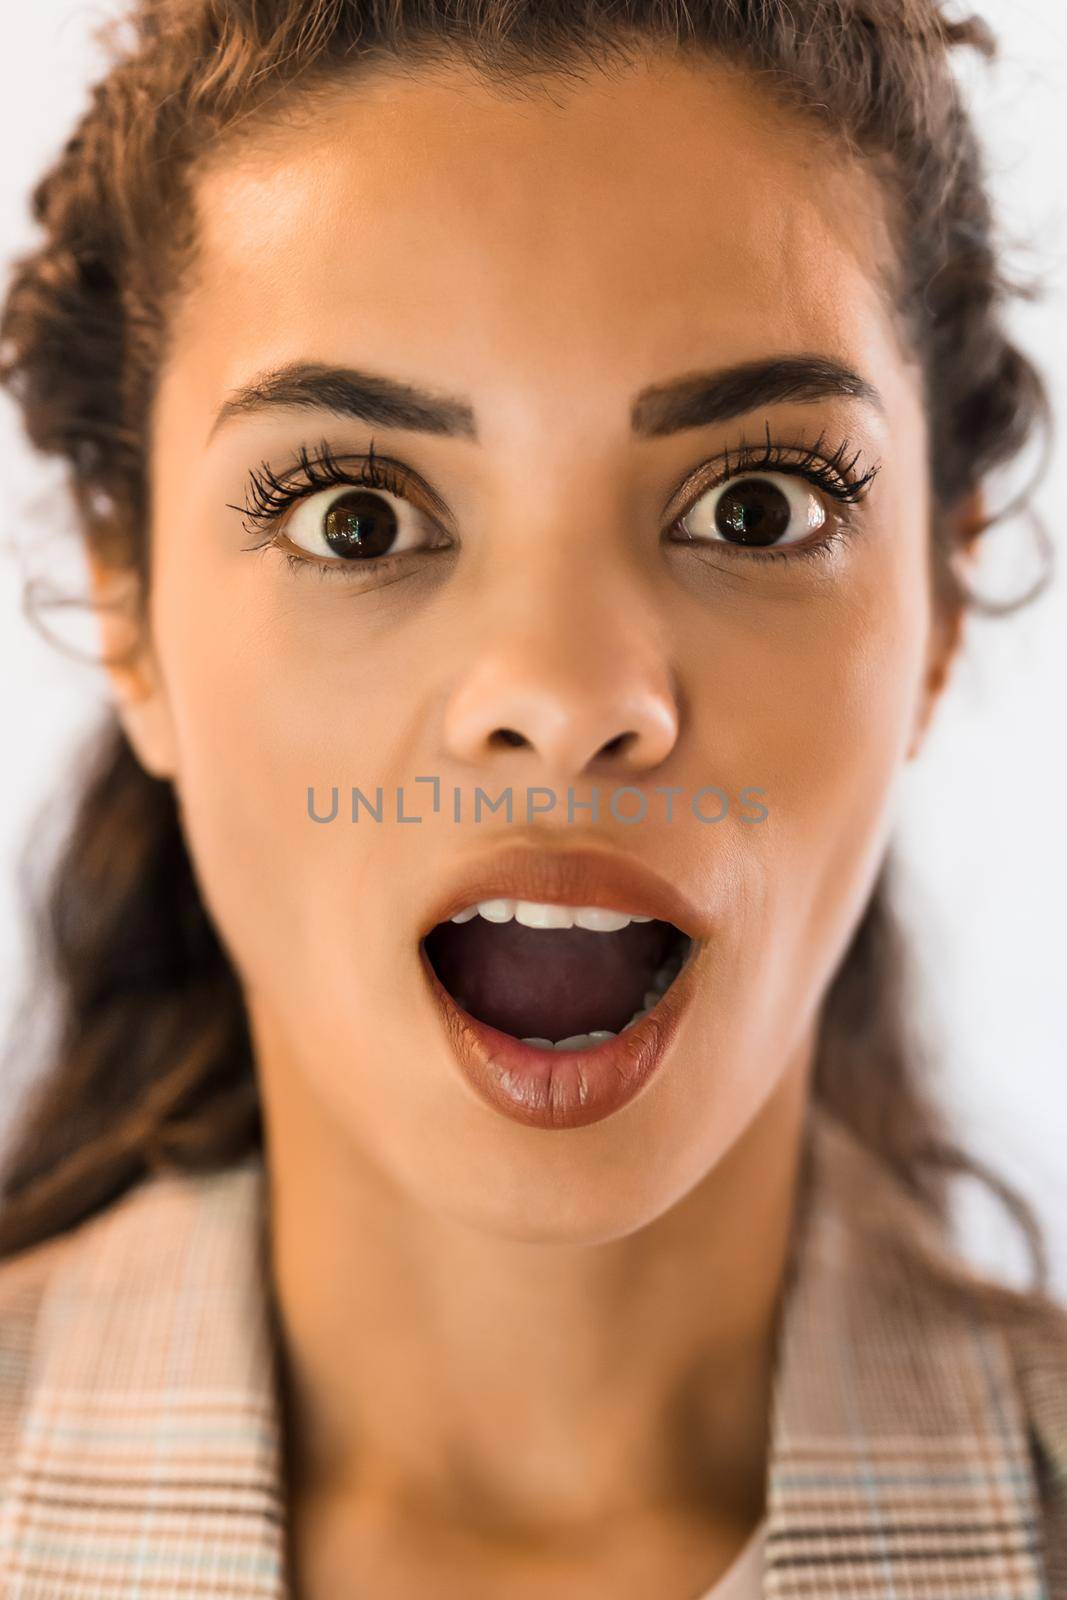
918	1450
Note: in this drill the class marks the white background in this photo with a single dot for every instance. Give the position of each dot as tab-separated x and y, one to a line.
983	814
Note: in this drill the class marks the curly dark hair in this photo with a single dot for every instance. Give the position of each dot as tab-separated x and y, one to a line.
151	1064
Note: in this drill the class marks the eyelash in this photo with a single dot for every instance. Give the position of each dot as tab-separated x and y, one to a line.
270	495
830	473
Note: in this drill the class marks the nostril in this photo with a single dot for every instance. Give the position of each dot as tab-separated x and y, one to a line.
507	736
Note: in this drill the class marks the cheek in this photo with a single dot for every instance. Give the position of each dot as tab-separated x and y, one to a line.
274	686
833	689
837	709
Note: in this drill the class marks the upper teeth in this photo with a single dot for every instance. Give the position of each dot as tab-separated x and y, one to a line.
539	914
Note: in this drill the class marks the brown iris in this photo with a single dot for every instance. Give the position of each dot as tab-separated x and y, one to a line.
753	512
359	524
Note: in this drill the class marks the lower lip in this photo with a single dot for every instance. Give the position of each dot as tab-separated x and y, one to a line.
562	1088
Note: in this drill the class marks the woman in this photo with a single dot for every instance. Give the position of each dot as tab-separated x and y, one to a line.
589	405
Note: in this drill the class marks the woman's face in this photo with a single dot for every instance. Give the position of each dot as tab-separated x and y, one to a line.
544	260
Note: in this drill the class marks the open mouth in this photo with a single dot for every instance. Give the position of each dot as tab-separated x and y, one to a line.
553	976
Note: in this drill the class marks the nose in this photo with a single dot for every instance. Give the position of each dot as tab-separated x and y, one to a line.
580	683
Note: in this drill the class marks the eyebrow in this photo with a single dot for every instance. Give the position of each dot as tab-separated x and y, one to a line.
698	400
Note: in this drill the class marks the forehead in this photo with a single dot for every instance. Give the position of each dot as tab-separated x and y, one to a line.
598	231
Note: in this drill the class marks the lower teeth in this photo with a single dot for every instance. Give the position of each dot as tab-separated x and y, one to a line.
576	1041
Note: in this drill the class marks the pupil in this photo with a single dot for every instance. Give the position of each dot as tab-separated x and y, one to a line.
359	524
753	512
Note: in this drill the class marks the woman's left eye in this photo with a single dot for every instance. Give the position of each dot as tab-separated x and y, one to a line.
757	510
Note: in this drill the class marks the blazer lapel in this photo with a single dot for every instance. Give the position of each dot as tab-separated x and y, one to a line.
899	1465
149	1449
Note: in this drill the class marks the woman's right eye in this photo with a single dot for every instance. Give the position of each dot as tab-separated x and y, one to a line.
352	524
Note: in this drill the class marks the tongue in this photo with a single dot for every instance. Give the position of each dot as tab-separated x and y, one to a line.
548	983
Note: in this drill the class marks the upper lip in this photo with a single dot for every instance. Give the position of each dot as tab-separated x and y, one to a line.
573	878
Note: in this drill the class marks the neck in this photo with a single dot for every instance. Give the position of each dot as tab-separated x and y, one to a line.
417	1351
